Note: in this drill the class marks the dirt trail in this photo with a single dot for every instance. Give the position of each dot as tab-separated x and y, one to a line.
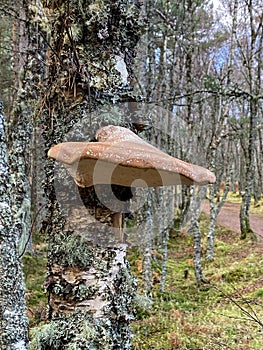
229	217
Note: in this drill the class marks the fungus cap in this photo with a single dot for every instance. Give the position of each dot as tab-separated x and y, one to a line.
121	157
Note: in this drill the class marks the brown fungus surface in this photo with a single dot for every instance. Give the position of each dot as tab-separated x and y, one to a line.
121	157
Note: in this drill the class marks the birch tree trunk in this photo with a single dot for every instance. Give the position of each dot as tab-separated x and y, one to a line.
13	320
194	230
214	211
216	141
146	229
89	285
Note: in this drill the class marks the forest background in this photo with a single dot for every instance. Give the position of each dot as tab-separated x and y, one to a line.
198	96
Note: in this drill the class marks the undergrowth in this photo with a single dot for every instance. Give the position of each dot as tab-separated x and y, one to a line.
224	313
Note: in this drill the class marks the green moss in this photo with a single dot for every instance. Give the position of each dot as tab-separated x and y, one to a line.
259	293
235	275
35	273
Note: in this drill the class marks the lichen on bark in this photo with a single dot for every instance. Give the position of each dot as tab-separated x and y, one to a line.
90	288
13	320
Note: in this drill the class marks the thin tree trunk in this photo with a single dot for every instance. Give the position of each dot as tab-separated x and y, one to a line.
147	233
150	59
13	319
164	253
19	139
195	231
214	211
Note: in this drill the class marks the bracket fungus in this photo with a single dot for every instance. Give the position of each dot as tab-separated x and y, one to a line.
106	171
120	157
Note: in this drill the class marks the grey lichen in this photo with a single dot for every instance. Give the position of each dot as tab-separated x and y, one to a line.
71	250
58	333
110	28
82	292
13	320
73	292
76	331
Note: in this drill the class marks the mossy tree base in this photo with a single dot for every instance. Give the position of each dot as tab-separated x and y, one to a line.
92	308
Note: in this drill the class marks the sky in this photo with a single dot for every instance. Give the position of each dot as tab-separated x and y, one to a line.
219	8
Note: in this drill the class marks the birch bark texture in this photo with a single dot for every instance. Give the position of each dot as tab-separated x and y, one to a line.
13	320
90	288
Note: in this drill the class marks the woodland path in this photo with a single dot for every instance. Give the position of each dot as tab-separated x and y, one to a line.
229	217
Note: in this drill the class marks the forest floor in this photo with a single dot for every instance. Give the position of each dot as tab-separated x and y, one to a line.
225	313
229	217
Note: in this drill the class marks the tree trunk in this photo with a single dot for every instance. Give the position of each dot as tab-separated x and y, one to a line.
14	323
147	232
195	231
20	130
91	290
214	211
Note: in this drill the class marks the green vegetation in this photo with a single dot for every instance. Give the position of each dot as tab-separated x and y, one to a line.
187	316
207	317
35	274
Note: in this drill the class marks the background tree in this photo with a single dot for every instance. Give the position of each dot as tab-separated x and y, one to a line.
251	37
194	59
